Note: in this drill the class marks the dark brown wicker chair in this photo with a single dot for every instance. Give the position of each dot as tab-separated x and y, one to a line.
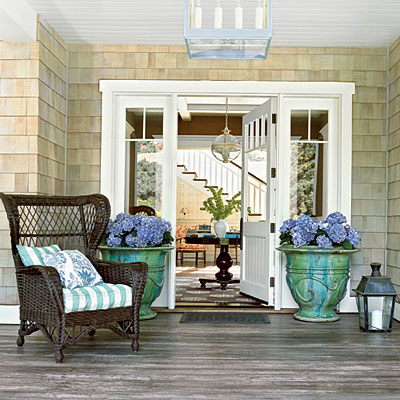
145	210
74	222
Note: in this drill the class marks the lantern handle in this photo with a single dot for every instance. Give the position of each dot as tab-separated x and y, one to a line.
375	269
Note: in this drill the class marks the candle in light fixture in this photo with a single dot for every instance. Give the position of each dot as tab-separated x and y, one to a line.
376	320
238	16
218	15
198	15
260	15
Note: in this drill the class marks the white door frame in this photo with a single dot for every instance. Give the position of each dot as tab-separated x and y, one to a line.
113	90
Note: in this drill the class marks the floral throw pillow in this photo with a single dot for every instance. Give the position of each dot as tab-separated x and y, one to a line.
74	268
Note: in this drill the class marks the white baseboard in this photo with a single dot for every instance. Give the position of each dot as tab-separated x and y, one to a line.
9	315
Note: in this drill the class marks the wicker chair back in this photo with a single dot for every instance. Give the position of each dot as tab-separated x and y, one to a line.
75	222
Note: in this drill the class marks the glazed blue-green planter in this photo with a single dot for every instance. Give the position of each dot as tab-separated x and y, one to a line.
317	279
156	258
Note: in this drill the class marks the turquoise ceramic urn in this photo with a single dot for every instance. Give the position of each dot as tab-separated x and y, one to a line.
156	259
317	279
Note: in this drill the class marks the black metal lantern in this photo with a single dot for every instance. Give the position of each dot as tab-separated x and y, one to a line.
376	297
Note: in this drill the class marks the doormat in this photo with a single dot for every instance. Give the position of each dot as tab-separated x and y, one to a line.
224	318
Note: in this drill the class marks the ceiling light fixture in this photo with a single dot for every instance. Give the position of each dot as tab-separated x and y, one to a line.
226	30
225	147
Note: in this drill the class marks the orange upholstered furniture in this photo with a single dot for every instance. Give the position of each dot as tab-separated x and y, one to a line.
185	248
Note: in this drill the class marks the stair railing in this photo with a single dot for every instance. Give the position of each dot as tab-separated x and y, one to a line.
227	176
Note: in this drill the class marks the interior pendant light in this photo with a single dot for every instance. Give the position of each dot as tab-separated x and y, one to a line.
225	147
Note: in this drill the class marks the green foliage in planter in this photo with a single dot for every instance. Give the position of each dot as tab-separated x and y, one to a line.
217	208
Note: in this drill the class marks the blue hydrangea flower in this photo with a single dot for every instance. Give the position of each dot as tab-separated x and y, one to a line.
134	241
323	241
114	241
353	236
116	229
109	226
335	218
121	216
307	223
287	225
137	230
301	236
128	224
336	232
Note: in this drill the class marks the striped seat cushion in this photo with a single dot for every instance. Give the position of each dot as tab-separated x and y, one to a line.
98	297
33	255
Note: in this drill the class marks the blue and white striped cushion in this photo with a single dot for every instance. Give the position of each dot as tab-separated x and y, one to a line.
33	255
98	297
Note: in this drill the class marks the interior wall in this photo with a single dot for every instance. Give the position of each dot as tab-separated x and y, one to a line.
367	67
393	239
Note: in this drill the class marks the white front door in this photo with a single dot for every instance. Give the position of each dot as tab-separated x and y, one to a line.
258	194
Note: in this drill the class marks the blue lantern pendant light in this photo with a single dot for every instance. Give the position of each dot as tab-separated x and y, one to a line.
216	29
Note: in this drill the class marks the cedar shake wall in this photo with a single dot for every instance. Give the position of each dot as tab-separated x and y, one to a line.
32	129
393	229
53	71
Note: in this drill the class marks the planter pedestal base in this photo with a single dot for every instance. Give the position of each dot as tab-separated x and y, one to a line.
326	318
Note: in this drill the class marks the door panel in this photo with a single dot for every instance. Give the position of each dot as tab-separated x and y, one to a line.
258	157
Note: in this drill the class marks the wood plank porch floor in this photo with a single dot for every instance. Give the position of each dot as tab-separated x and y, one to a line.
287	359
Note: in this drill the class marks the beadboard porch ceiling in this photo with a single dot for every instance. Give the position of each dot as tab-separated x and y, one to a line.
315	23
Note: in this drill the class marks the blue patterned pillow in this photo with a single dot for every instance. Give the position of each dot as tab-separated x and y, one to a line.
34	255
74	268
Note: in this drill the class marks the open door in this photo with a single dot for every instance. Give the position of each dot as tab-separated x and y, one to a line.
258	205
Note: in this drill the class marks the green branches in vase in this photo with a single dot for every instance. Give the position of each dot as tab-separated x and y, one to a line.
217	208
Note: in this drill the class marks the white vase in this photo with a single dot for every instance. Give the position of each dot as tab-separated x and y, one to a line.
220	228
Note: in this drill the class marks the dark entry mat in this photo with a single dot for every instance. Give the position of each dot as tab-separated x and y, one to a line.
225	318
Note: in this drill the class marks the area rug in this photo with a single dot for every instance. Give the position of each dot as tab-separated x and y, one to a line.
225	318
188	290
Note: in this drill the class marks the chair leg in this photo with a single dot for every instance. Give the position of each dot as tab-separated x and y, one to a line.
197	258
135	345
59	343
204	258
21	339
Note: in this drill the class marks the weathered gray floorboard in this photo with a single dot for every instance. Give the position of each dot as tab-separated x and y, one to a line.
287	359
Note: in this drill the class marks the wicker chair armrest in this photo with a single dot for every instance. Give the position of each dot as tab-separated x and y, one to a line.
51	279
132	274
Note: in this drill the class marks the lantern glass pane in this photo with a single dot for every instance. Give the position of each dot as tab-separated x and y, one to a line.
361	310
227	48
387	312
379	312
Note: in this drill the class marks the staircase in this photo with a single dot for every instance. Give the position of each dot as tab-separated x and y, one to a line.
202	170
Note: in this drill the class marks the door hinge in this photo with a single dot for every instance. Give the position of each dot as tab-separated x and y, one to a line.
272	227
273	172
272	282
274	118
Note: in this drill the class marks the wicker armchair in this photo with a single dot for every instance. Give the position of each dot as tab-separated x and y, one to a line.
74	222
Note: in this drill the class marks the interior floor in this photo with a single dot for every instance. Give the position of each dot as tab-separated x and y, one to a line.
189	292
